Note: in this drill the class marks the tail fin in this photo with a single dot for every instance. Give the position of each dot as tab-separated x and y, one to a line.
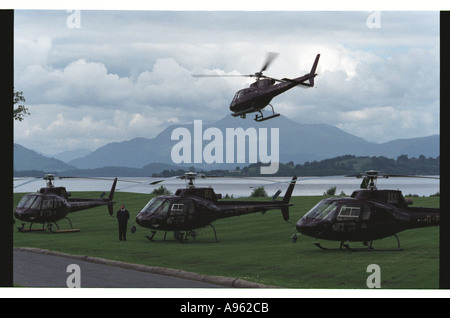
313	70
287	198
110	198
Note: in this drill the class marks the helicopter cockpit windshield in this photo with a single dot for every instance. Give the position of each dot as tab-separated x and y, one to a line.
156	206
322	211
238	96
30	202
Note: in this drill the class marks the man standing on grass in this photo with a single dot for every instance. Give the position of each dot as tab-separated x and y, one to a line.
122	216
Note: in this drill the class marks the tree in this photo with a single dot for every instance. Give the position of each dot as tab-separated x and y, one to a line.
331	191
259	192
21	111
162	190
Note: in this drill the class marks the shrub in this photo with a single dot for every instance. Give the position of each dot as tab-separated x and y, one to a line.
259	192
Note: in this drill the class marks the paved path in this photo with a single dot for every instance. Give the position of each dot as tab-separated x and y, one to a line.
33	269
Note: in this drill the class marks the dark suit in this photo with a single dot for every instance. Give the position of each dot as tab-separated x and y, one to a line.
122	217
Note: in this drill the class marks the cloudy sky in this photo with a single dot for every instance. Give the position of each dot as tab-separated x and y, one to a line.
95	77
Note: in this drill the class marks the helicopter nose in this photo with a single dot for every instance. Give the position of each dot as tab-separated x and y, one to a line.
306	226
141	220
147	221
23	214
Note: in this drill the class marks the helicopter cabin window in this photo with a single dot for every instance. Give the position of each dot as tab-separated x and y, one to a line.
47	203
348	213
58	202
165	207
36	203
365	212
176	207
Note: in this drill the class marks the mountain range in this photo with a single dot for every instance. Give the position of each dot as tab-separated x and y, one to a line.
297	143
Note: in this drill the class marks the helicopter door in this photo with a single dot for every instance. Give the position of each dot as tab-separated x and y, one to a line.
176	214
47	206
347	218
351	218
181	212
348	213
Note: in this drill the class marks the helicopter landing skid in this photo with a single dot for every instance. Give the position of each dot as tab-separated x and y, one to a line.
347	247
369	247
23	229
261	117
50	228
181	236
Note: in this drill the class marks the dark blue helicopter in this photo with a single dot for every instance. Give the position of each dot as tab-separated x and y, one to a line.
260	93
368	214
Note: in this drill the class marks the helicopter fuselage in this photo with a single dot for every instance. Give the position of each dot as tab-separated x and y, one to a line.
52	204
194	208
47	208
183	213
367	215
41	208
261	93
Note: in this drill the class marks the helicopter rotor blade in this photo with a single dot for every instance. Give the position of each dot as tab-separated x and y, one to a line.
275	79
385	176
100	178
223	75
155	182
409	176
269	59
26	182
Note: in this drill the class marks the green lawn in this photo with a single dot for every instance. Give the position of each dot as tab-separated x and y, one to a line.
254	247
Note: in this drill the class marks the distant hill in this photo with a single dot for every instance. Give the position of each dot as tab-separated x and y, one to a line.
69	155
114	171
349	164
26	159
297	142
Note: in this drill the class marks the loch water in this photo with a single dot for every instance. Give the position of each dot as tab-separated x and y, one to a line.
238	187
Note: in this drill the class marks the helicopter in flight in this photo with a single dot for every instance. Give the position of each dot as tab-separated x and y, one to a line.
51	204
368	214
193	208
260	93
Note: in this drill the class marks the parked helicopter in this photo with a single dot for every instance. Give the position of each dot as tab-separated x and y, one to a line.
369	214
52	204
192	208
260	93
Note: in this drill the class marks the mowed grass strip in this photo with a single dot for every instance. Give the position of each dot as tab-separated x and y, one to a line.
256	247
